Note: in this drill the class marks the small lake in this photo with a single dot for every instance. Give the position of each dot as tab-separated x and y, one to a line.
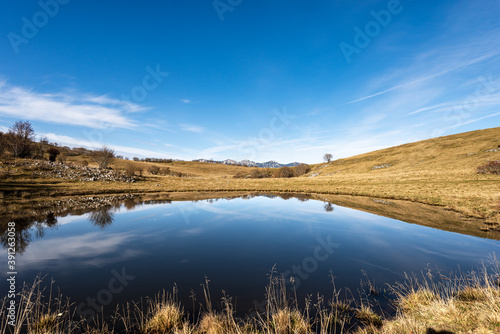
122	253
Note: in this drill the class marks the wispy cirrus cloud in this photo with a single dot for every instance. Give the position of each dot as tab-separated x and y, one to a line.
445	86
440	59
475	101
192	128
117	103
66	108
432	74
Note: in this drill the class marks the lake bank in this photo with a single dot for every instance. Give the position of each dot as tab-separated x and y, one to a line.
472	200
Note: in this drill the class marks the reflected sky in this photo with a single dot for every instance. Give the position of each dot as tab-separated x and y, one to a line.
235	243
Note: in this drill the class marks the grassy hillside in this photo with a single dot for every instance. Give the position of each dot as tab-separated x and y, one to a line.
451	156
440	171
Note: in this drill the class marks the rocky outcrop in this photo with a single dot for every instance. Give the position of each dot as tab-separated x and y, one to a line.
75	172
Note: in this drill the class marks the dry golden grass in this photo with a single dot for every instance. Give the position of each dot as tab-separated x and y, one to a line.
290	321
166	318
440	171
424	310
459	304
46	324
369	318
212	323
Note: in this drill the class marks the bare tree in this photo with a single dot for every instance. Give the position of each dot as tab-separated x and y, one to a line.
102	217
327	157
103	156
39	148
328	207
154	170
62	157
21	139
3	138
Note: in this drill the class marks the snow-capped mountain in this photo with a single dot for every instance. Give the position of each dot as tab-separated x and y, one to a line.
267	164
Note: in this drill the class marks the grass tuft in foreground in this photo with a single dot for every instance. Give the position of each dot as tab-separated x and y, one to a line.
467	303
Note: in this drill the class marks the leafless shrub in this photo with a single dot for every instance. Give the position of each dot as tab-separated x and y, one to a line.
283	172
257	173
164	171
62	157
103	156
240	175
492	167
131	169
301	169
154	170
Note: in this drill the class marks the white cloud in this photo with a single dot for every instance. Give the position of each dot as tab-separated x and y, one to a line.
125	105
123	150
185	100
192	128
91	245
428	108
66	108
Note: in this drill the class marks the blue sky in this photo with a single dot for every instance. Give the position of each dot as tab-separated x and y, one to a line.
239	79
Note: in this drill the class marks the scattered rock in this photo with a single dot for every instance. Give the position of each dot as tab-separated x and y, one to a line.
382	166
381	201
73	172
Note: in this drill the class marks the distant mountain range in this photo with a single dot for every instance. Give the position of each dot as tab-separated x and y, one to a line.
267	164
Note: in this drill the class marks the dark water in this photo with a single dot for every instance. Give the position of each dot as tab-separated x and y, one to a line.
117	255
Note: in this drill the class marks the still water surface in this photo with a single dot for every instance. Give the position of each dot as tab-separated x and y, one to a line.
234	243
